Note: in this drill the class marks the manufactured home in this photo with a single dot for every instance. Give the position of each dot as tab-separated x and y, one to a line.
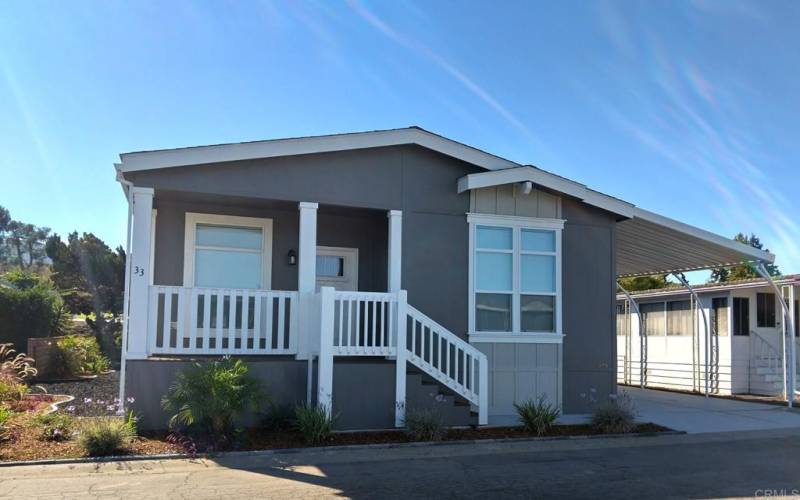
379	271
740	324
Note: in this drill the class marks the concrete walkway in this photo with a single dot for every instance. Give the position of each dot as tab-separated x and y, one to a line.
717	465
698	414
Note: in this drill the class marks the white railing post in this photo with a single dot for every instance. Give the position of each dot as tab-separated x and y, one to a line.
142	199
483	388
395	246
400	360
325	364
306	278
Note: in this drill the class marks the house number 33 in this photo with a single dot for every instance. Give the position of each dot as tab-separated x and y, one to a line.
138	271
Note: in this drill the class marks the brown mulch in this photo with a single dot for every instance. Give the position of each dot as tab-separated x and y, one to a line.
258	440
104	387
23	441
35	403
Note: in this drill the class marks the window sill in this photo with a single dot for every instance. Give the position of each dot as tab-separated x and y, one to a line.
516	338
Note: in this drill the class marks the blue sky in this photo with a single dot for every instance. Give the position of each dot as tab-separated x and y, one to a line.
689	109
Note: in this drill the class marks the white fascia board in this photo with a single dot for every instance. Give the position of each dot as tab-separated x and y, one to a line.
547	180
754	253
147	160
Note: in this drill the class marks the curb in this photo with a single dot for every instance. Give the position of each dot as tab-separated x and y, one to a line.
318	449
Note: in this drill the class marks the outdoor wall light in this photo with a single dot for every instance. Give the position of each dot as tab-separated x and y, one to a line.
292	257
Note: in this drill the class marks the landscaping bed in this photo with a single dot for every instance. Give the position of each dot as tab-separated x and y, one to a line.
103	387
24	442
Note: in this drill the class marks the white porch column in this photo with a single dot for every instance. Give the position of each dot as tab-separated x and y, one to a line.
400	361
395	250
138	294
307	252
306	280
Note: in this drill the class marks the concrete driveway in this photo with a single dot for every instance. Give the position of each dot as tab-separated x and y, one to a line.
698	414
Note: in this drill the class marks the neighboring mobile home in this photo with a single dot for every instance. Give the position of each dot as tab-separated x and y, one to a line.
379	271
741	322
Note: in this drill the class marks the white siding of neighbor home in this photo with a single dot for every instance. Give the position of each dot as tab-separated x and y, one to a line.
508	199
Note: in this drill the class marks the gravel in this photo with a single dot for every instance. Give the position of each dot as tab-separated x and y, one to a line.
101	390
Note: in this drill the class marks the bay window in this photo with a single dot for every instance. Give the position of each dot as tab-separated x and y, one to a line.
515	277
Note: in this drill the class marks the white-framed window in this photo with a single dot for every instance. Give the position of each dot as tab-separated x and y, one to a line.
515	279
225	251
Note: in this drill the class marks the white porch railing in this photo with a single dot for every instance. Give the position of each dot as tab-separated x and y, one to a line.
216	321
221	321
364	324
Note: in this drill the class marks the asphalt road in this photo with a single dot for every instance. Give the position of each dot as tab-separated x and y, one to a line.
741	464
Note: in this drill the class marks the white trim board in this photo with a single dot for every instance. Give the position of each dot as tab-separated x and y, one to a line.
194	218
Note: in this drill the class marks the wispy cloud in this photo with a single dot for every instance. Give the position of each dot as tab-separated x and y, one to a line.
684	116
426	52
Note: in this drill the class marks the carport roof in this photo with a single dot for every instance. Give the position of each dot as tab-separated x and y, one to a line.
647	243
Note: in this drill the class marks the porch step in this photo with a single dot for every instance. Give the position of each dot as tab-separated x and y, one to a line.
422	391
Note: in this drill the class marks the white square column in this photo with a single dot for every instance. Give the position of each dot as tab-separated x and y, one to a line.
395	250
139	290
307	251
307	280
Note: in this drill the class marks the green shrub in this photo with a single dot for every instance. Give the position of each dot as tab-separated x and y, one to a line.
29	307
315	423
425	424
5	416
537	417
55	426
11	389
278	418
617	415
209	398
103	436
81	355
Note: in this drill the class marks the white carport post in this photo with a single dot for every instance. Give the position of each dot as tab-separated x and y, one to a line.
788	323
707	350
642	335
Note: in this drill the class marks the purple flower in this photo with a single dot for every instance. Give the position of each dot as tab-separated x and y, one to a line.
120	412
70	409
130	399
87	401
111	407
100	402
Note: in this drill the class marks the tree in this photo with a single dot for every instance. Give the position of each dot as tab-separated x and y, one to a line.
91	277
651	282
742	271
21	244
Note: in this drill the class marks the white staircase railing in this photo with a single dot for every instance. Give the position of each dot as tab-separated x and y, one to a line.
383	324
446	357
762	350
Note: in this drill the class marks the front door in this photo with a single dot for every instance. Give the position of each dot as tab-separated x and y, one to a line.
337	267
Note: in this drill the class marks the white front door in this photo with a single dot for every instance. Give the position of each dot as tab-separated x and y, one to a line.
337	267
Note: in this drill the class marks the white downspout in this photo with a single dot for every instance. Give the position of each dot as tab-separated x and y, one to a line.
788	323
685	283
126	187
642	333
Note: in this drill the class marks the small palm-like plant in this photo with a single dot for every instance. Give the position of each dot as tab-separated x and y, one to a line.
17	366
537	416
209	398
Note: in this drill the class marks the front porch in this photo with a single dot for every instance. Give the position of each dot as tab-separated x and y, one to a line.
336	308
